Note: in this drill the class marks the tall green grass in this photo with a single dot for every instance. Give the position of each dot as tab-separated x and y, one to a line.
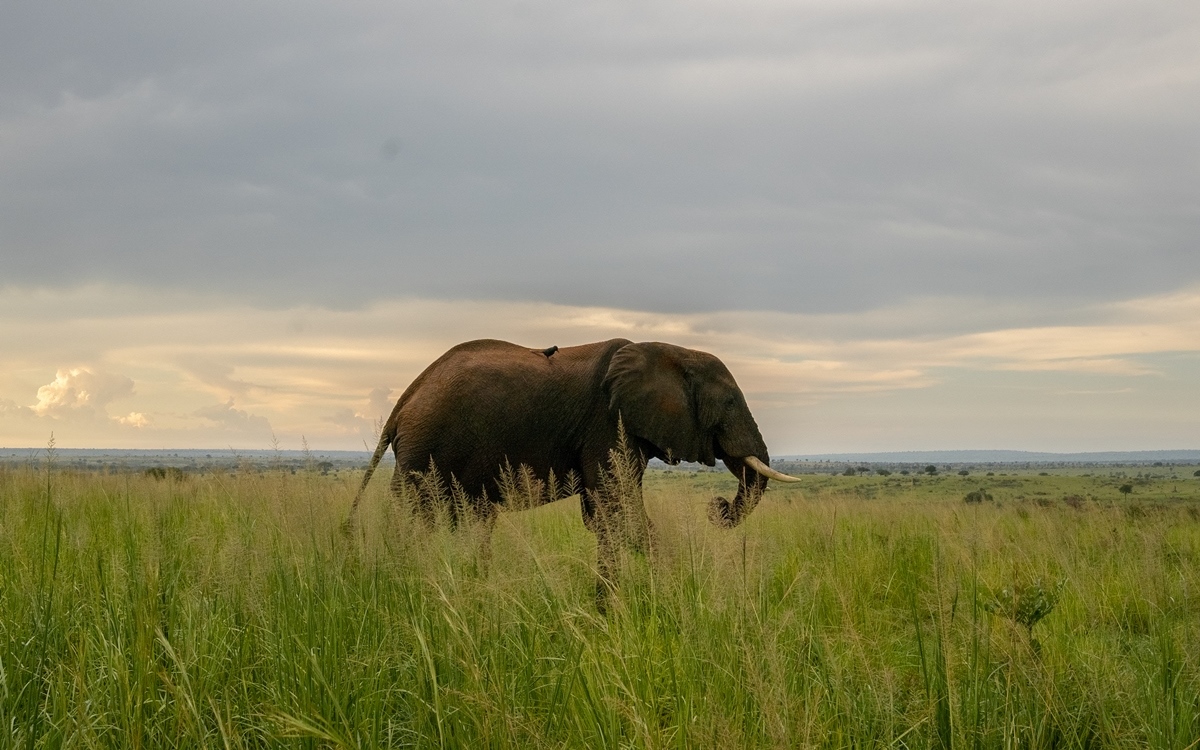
227	611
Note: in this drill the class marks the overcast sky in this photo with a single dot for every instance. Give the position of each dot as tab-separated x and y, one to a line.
904	225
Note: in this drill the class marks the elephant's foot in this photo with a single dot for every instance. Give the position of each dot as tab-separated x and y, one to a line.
603	592
645	539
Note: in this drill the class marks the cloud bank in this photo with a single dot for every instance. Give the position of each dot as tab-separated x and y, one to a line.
668	157
196	372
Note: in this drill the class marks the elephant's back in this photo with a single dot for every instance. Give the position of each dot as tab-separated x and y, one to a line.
491	378
486	402
490	364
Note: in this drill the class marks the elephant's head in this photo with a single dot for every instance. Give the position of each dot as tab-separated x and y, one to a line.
686	405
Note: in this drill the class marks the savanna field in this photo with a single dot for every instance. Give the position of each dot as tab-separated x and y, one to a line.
226	610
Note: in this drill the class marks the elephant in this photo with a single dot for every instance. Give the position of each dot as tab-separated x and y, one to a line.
487	406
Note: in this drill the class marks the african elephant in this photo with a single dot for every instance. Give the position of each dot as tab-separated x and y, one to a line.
485	405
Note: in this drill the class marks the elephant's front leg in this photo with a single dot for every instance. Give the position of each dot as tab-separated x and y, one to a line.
611	503
606	567
613	508
597	513
637	532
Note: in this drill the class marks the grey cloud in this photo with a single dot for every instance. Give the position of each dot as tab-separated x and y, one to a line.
364	424
8	407
235	420
380	403
219	375
350	422
663	156
346	418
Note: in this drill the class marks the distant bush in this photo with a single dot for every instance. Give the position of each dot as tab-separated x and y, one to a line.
904	472
978	496
883	472
1125	489
963	472
850	472
169	472
931	469
1197	474
1075	501
1135	510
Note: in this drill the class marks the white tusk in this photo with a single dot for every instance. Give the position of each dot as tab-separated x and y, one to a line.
767	471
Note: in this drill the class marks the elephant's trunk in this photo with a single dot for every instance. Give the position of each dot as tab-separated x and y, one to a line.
752	474
729	513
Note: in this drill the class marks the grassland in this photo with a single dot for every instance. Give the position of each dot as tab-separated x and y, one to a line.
225	610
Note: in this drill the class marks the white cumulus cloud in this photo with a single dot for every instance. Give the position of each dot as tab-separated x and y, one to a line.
133	419
80	390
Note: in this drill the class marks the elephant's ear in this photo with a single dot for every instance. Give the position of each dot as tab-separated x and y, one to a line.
648	386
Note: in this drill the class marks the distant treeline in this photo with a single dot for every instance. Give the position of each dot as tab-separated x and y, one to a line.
186	462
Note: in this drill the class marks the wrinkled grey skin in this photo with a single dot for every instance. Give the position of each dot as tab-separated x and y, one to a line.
488	404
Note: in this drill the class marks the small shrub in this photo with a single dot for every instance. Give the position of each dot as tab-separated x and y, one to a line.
963	472
931	469
1026	604
1075	501
883	472
850	472
1125	489
978	496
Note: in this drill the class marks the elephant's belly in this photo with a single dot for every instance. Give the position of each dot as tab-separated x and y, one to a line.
488	432
539	476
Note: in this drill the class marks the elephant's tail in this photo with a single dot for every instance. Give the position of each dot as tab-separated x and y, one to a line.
385	439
